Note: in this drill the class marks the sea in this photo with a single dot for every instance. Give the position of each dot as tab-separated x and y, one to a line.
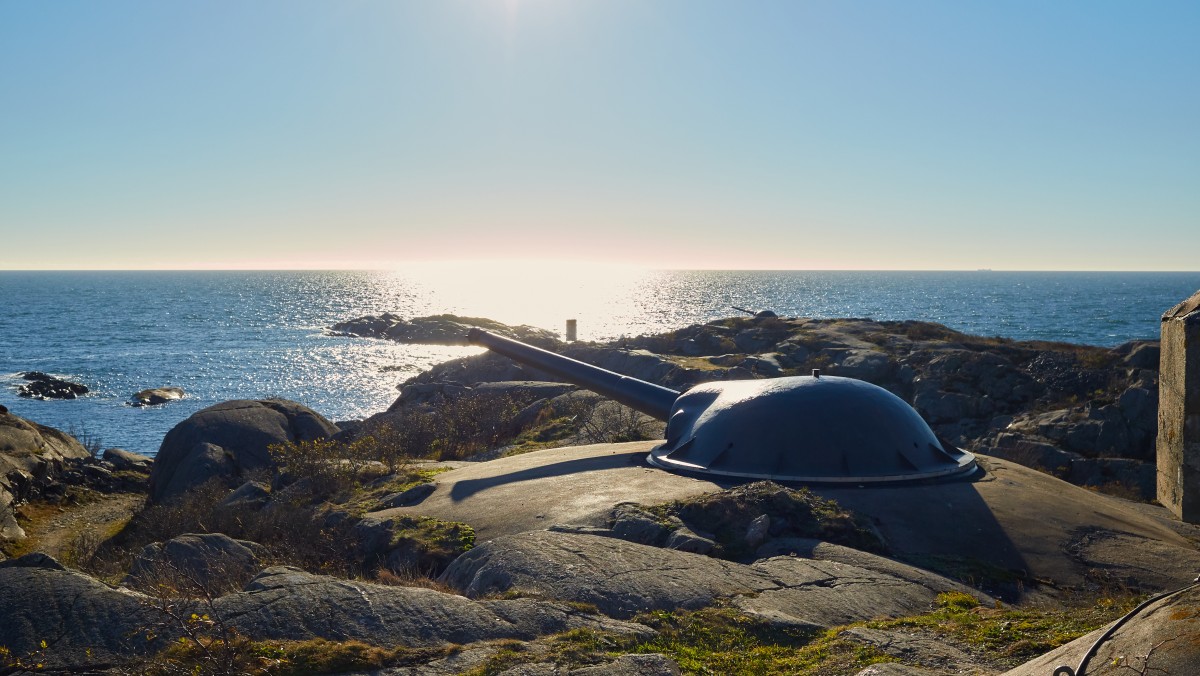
245	335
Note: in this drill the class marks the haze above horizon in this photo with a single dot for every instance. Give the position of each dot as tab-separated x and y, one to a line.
669	134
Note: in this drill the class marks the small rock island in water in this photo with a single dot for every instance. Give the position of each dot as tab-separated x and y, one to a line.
496	520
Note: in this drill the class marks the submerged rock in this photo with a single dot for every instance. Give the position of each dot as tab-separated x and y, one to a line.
158	395
45	386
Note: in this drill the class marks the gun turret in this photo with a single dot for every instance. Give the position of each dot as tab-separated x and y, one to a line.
653	400
814	429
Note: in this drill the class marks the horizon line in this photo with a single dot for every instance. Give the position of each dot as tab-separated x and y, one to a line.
485	264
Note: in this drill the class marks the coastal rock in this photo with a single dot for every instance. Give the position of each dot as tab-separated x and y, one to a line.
901	669
208	561
407	497
522	391
632	523
86	623
651	664
443	329
82	621
623	578
686	540
32	457
158	395
44	386
249	497
289	604
929	650
1143	355
124	461
404	544
228	439
868	365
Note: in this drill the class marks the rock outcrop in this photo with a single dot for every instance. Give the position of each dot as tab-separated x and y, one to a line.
124	461
287	603
31	458
155	396
228	439
44	386
624	578
436	330
211	561
1161	638
86	623
82	621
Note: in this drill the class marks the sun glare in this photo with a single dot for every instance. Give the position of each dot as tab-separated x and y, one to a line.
536	292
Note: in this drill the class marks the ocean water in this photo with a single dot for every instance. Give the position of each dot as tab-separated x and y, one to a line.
230	335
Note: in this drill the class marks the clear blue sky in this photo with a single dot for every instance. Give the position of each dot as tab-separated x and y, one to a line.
821	135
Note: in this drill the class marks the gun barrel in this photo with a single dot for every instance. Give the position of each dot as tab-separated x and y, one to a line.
653	400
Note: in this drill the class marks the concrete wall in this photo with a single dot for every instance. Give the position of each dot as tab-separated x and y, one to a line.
1179	411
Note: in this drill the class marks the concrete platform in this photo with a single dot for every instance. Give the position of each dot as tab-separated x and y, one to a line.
571	485
1013	518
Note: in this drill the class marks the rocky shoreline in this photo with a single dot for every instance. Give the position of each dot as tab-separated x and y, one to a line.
273	540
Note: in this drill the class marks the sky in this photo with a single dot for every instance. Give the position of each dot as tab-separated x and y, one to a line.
664	133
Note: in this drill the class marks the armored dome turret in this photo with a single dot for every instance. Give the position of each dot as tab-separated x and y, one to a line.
814	429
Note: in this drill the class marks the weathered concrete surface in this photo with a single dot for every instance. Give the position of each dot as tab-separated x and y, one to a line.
1012	519
1035	525
624	578
573	485
1163	638
1179	411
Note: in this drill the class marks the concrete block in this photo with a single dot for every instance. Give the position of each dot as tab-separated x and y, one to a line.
1179	411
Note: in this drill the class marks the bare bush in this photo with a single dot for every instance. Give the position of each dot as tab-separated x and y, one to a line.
456	429
610	422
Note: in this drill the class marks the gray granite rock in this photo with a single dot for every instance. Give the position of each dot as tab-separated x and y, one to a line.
82	621
624	578
250	496
1162	638
228	439
156	396
287	603
407	497
32	457
124	461
685	539
209	562
632	523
